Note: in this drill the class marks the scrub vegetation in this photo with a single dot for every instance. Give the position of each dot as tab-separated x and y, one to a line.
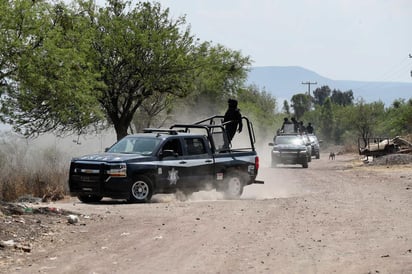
28	172
76	68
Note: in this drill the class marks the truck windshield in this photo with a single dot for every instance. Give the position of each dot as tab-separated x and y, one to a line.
140	145
288	140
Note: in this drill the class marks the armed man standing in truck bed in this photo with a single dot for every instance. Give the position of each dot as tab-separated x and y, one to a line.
233	115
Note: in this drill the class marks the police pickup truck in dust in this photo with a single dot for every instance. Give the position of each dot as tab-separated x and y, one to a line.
185	157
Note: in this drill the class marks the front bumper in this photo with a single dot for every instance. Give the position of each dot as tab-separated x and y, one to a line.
117	188
289	157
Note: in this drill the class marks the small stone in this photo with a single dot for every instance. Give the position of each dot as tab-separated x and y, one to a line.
72	219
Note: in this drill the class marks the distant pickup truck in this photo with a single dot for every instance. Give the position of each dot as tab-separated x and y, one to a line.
185	157
290	149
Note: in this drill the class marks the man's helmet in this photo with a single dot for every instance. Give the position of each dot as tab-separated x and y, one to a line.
232	103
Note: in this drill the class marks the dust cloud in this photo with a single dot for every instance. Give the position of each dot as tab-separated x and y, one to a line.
200	196
276	185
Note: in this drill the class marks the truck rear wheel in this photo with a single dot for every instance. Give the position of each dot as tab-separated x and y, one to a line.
88	198
233	186
141	190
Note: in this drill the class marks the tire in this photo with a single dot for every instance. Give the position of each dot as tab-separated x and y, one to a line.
141	190
317	155
89	198
305	164
233	186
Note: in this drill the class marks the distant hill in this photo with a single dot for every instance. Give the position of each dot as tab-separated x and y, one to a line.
284	82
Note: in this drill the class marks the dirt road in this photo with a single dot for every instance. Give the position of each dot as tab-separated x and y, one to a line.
333	217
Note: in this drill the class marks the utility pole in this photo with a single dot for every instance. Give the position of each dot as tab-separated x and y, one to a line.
410	56
309	83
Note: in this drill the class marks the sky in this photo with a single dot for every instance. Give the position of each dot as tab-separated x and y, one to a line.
365	40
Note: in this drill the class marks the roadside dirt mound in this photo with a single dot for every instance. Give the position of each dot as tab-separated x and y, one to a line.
393	159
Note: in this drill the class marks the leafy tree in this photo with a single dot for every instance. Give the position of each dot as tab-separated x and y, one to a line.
286	107
220	75
92	65
342	98
327	119
301	103
320	95
398	118
51	82
397	103
156	111
17	20
342	128
260	108
366	117
140	52
313	117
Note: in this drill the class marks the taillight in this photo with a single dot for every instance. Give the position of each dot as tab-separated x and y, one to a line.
257	163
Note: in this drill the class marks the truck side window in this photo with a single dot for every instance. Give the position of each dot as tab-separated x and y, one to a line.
174	145
219	140
194	146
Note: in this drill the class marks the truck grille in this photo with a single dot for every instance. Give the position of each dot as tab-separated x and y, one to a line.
89	179
85	176
289	151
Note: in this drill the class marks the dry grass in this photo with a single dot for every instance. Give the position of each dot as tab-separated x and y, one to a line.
27	171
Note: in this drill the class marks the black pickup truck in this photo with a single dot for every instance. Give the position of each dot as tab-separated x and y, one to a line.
184	157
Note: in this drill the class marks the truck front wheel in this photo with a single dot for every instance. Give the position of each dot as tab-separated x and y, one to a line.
305	164
141	190
233	186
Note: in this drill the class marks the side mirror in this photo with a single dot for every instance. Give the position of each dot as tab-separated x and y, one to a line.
271	144
106	149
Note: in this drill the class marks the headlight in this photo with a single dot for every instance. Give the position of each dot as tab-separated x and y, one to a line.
117	170
302	151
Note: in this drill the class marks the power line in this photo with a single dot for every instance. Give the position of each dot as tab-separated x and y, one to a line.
385	79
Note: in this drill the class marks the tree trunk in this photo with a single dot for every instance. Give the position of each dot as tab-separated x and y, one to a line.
121	130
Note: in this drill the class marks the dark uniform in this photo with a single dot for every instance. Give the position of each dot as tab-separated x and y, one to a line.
285	122
295	124
302	128
233	115
309	128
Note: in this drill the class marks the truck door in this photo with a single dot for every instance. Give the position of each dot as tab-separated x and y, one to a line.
169	168
197	163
